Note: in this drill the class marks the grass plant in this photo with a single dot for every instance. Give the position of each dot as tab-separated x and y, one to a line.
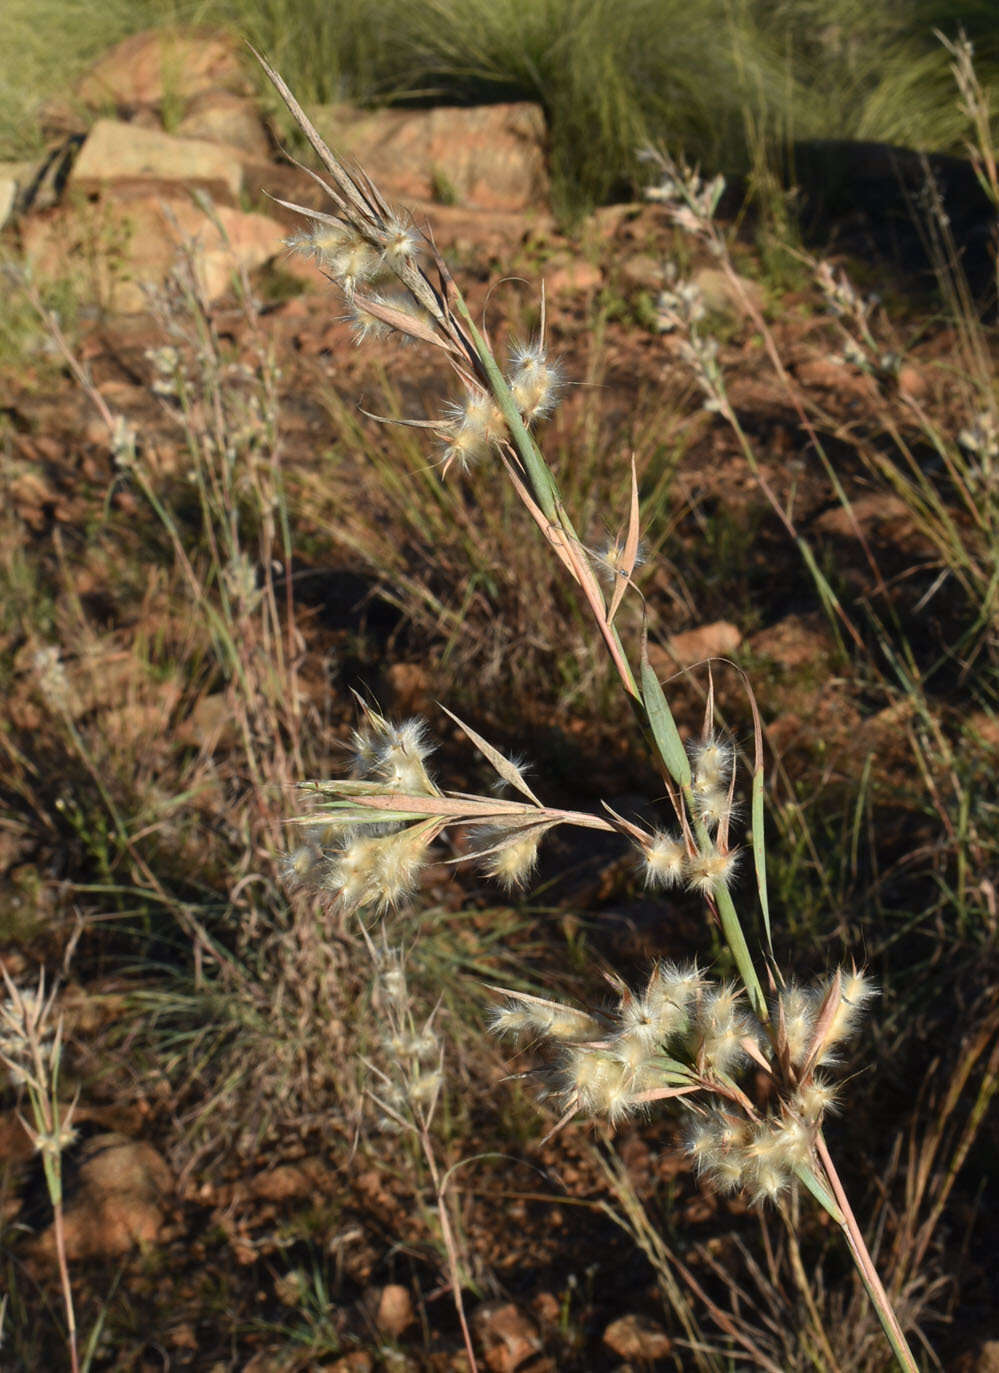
686	1036
266	1012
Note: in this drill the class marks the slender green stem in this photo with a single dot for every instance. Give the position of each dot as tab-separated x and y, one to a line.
865	1264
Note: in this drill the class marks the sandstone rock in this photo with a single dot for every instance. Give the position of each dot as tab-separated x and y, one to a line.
868	514
635	1337
489	156
724	296
118	1201
394	1312
575	277
8	198
162	65
16	179
221	117
988	1357
509	1337
643	271
717	640
119	154
115	248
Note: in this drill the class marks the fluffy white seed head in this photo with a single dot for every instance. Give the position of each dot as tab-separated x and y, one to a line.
717	1143
662	1011
400	858
612	561
379	870
303	866
814	1099
535	382
551	1019
631	1047
708	872
721	1026
514	859
664	860
398	759
599	1083
364	324
473	431
854	992
392	754
712	760
713	806
799	1006
402	243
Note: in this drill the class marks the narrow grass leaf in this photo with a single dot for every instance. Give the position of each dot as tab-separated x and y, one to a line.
664	731
502	765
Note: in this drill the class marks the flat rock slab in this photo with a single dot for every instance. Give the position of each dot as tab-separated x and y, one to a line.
125	154
487	156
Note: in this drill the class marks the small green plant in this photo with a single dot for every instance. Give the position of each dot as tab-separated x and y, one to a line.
686	1035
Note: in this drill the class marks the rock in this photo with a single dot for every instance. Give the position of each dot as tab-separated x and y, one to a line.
988	1357
8	198
912	382
118	1200
717	640
122	154
288	1181
161	65
575	276
115	248
489	156
510	1338
868	514
643	272
16	180
635	1337
221	117
394	1312
725	296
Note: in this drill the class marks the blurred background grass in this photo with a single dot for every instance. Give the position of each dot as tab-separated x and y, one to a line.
709	80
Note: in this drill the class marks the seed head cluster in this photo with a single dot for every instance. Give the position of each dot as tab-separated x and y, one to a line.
688	1036
384	267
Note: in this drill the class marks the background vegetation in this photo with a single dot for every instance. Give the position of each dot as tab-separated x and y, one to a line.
718	80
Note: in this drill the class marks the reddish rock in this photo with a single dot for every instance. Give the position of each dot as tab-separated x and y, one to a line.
866	513
120	154
409	684
635	1337
576	277
162	65
735	296
114	248
489	156
508	1336
118	1201
233	120
717	640
394	1311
